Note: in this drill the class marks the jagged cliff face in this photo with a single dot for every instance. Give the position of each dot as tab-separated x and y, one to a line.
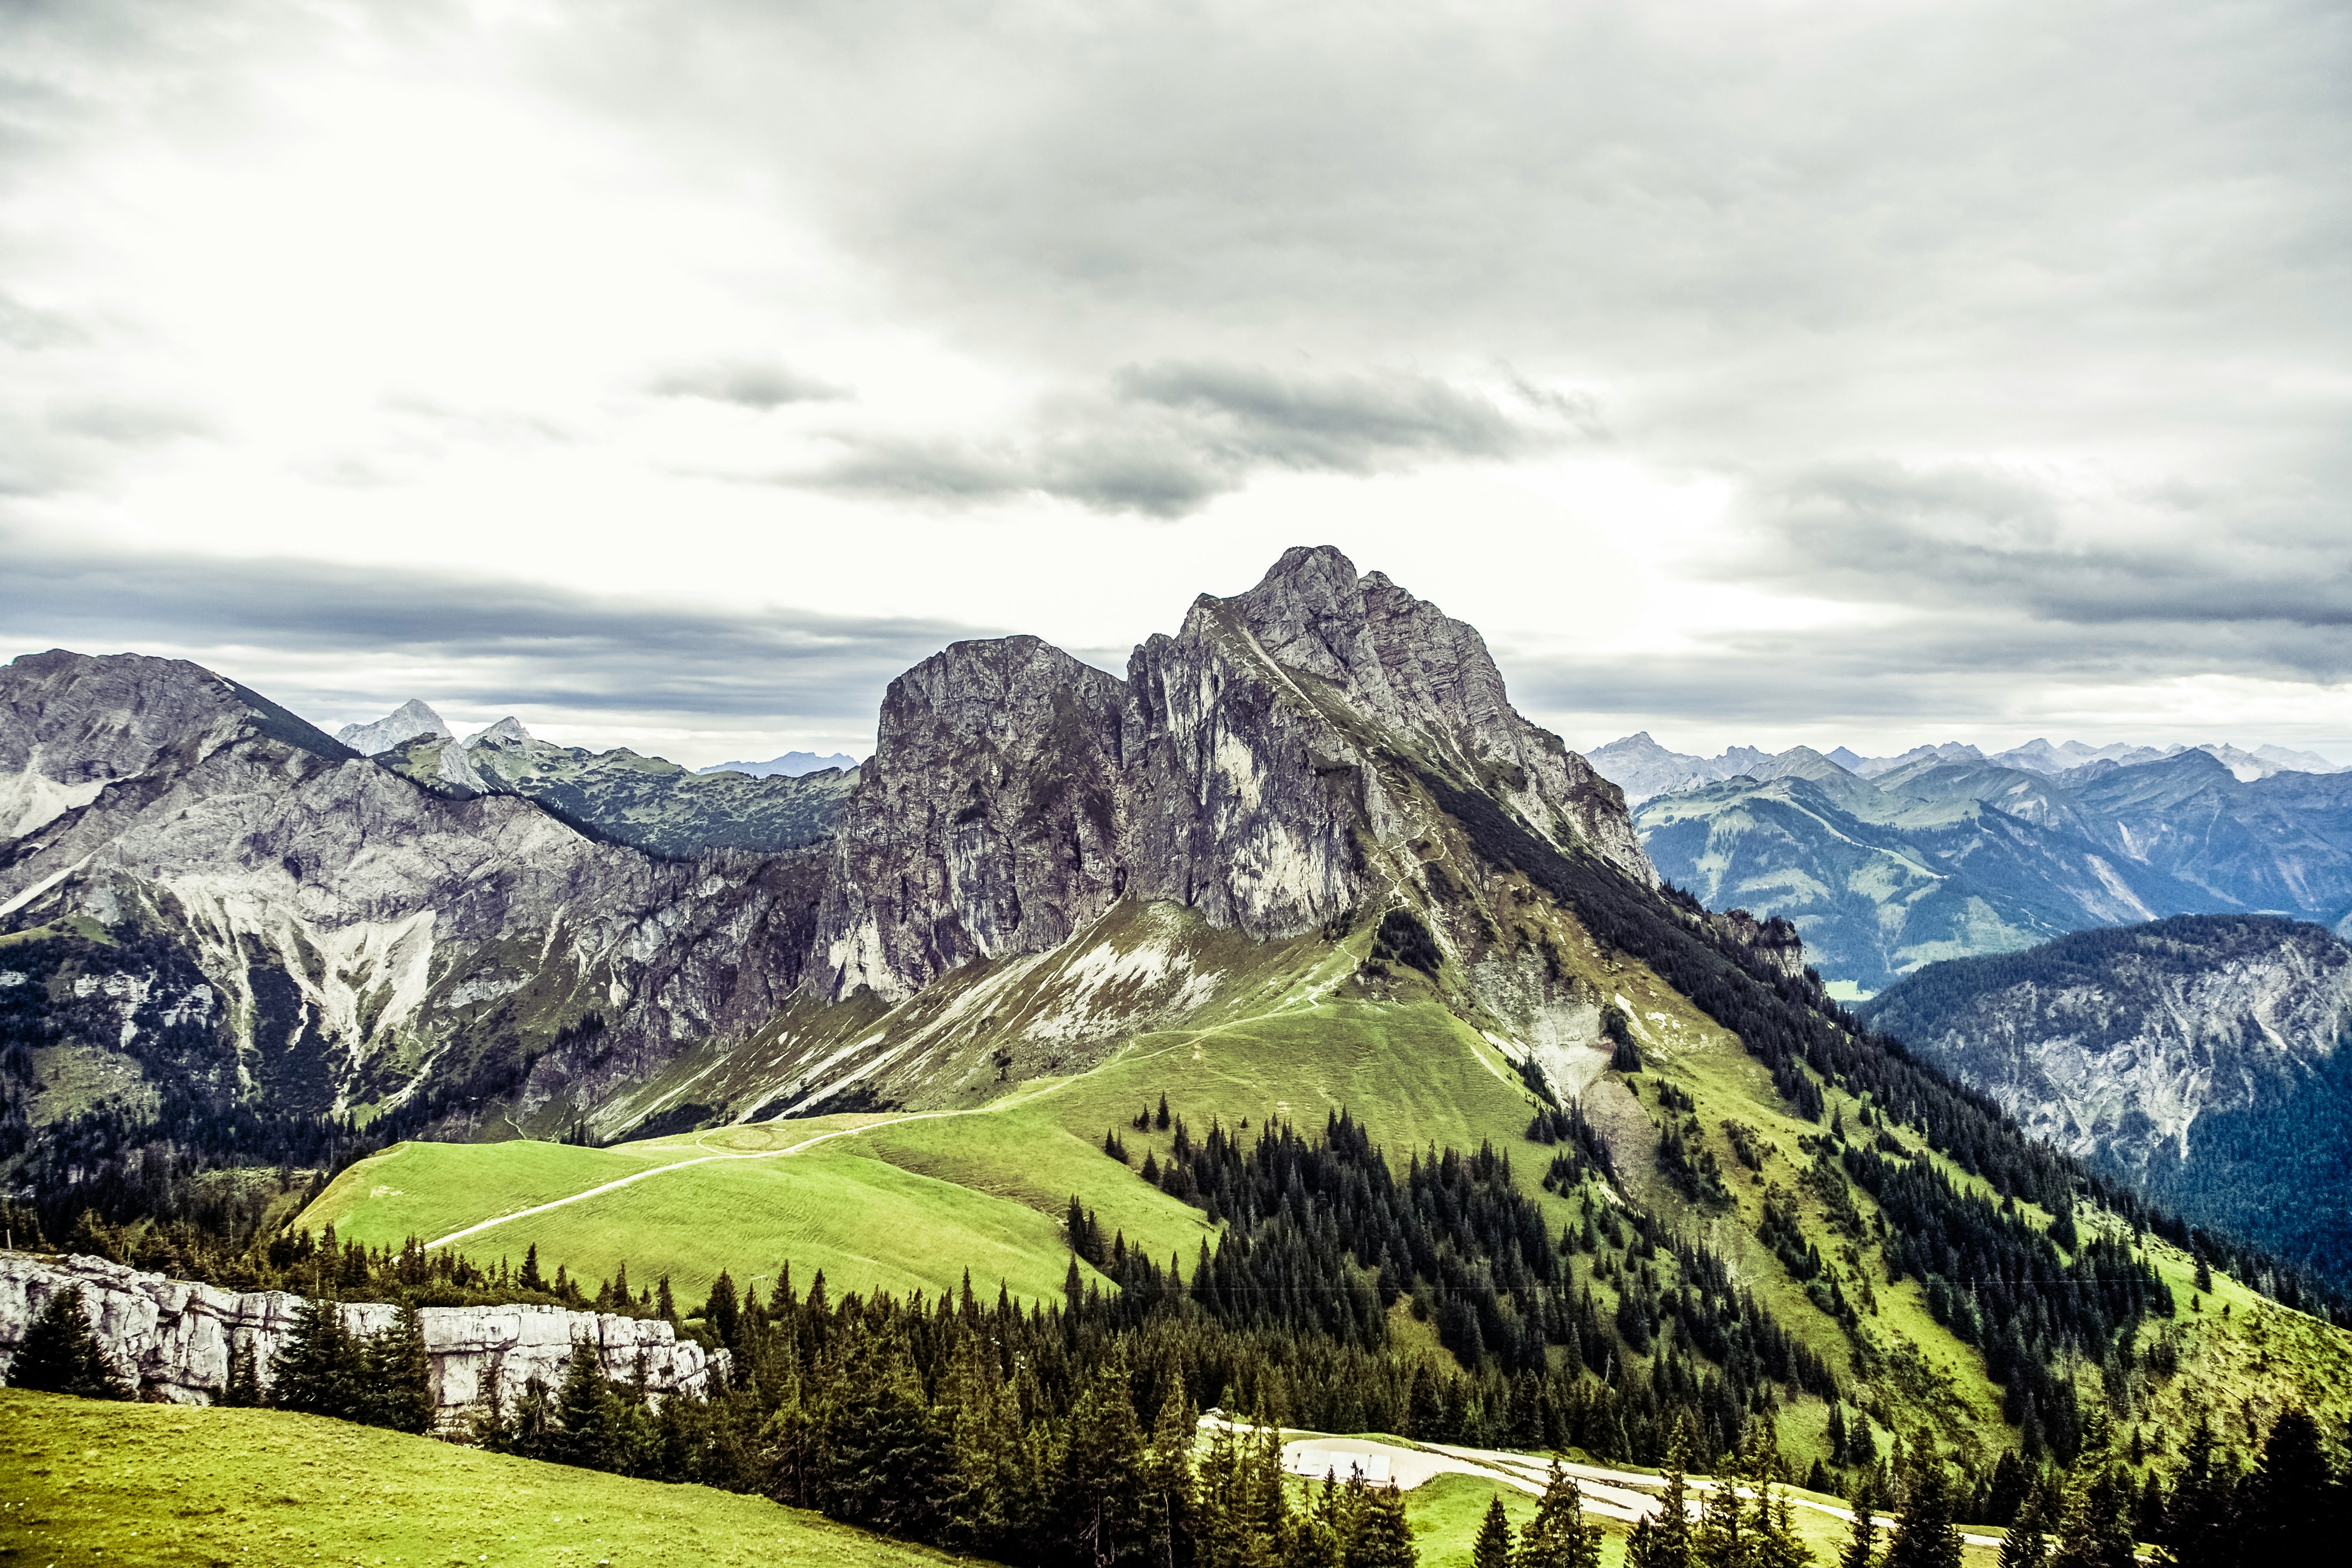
170	1339
1257	767
356	932
2208	1058
364	927
2116	1042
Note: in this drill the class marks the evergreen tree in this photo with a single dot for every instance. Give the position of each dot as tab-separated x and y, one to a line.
721	1313
2027	1545
244	1389
60	1354
584	1409
1861	1545
2198	1518
2095	1519
1383	1536
530	1278
399	1374
1160	1121
2294	1495
321	1370
1559	1536
665	1306
1493	1547
1103	1460
1925	1537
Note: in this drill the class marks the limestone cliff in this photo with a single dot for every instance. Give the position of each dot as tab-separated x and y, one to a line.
330	933
171	1339
1252	767
2203	1056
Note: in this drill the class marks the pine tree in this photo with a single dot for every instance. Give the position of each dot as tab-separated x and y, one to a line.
1559	1536
1493	1547
321	1370
1925	1537
1100	1486
583	1406
1836	1434
399	1374
244	1389
1383	1536
1861	1545
529	1278
60	1354
1160	1121
2204	1278
2295	1496
721	1313
2027	1546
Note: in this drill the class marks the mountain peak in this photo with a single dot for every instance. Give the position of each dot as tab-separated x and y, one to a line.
402	724
507	732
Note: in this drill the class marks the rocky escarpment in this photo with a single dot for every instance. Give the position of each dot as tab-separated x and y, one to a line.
2206	1056
359	934
370	931
1258	767
171	1339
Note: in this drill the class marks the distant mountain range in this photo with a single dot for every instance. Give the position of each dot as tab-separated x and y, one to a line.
1951	853
646	802
791	765
2203	1057
1643	768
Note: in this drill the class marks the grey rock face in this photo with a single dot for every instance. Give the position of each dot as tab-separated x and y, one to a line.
369	925
2204	1058
411	720
359	931
171	1339
1248	767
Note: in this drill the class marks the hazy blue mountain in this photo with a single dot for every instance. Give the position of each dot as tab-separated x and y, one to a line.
2203	1057
792	764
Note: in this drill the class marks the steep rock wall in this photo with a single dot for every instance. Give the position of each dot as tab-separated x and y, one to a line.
171	1339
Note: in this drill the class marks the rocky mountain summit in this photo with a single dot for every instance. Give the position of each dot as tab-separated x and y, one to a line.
374	935
170	1339
2207	1057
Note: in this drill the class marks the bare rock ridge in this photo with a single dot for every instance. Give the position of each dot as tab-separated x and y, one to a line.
408	722
2207	1057
171	1339
371	932
1241	768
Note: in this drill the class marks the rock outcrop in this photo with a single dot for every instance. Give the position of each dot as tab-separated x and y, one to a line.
171	1339
372	927
2207	1058
1249	767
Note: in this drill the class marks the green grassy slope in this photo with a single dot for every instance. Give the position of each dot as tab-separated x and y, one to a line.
1011	1070
87	1482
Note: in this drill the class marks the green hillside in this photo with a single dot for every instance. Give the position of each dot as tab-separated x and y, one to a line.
908	1201
83	1480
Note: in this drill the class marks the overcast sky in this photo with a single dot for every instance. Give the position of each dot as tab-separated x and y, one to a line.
675	375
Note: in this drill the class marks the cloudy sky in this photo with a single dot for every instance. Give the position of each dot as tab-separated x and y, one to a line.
675	375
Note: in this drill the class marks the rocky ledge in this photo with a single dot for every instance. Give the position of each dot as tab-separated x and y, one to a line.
171	1339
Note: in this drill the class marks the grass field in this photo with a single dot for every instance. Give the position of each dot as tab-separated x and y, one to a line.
907	1202
83	1482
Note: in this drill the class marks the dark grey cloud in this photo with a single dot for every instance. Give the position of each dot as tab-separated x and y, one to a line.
1164	439
752	384
2246	576
331	630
